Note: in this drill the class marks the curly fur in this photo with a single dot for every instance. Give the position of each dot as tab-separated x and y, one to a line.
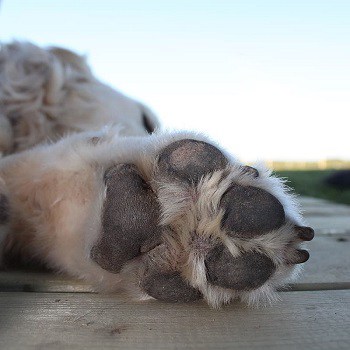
48	93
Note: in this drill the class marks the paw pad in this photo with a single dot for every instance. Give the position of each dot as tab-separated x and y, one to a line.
169	287
250	211
189	160
130	218
130	227
245	272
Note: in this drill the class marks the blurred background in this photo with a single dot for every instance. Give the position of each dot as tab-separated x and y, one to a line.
269	80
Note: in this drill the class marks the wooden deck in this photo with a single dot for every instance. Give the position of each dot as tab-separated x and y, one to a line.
42	311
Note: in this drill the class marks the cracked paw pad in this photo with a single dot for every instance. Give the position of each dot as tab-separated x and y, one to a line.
129	219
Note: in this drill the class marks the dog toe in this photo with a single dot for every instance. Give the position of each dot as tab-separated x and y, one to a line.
250	211
189	160
245	272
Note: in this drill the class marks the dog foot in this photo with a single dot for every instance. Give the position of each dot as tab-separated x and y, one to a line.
203	227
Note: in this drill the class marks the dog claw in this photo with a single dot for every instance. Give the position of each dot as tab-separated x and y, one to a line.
246	169
305	233
299	257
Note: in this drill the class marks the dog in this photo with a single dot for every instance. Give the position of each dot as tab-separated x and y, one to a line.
91	186
47	94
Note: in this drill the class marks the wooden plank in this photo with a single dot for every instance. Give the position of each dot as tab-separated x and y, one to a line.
329	263
302	320
327	210
31	281
329	260
309	204
329	225
326	217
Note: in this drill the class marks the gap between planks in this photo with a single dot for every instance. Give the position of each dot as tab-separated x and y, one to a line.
61	288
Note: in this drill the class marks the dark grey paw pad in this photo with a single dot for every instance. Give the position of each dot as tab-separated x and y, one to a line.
4	209
246	272
169	287
129	219
250	211
189	160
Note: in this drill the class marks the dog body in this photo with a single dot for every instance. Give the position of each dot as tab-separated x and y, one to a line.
167	216
46	94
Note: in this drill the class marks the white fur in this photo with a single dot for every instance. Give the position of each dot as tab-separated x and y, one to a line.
56	191
48	93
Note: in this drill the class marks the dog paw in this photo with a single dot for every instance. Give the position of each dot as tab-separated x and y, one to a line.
204	226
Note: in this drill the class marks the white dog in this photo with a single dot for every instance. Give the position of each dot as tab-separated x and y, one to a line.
46	94
167	216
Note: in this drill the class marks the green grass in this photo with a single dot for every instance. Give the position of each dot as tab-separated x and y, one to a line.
310	183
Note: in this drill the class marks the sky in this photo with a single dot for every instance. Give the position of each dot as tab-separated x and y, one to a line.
268	80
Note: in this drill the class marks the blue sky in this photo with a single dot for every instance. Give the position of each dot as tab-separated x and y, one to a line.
267	79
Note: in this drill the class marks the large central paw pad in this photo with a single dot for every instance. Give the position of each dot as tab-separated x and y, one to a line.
130	218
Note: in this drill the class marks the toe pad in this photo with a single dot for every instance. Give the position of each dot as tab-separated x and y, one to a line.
250	211
245	272
169	287
189	160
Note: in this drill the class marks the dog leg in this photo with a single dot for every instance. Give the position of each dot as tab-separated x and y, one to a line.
169	216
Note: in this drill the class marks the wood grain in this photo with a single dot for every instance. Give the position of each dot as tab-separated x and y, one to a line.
329	260
45	311
302	320
326	217
31	281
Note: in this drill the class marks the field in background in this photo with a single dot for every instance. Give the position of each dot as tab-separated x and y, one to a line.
323	164
311	183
